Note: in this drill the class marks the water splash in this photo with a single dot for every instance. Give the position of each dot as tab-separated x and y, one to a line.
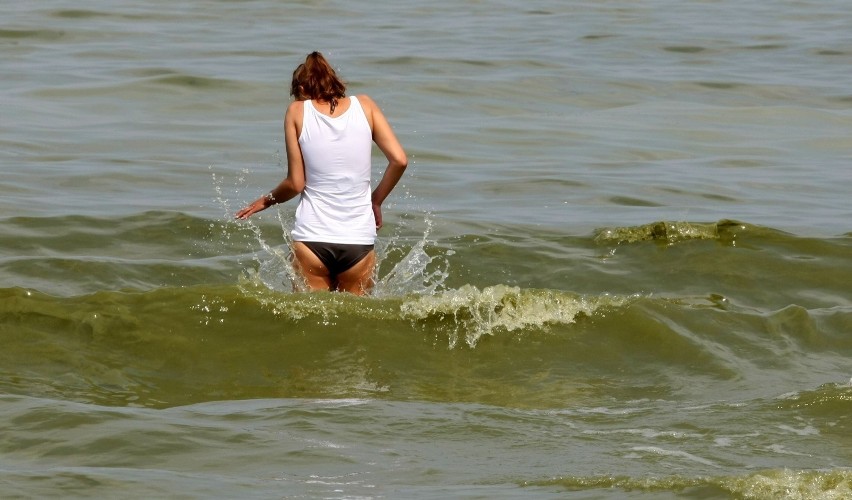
410	277
270	264
416	272
417	268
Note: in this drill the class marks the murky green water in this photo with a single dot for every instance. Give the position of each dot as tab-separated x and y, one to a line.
618	266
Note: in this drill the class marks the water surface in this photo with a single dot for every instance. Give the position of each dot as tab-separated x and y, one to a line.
617	267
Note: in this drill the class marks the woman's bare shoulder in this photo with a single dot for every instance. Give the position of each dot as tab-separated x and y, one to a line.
296	107
366	101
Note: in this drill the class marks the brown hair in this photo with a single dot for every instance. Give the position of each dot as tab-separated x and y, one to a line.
316	79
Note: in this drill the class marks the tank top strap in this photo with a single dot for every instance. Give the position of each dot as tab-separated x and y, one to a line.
358	109
309	107
353	100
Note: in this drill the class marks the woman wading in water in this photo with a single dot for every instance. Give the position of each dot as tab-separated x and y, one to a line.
329	139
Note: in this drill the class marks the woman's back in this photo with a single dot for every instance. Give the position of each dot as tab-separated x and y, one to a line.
335	204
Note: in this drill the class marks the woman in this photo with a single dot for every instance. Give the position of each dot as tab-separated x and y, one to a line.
329	139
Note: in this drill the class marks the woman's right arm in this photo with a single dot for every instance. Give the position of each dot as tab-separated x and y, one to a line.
294	183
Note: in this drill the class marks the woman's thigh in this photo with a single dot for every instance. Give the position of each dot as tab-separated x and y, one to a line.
358	279
311	268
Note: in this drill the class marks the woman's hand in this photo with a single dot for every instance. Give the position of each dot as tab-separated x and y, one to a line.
377	214
257	205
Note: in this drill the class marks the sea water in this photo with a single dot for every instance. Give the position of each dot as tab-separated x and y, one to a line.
618	265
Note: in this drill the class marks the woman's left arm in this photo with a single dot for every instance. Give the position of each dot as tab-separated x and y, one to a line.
387	142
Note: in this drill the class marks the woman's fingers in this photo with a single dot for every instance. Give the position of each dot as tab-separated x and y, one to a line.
246	212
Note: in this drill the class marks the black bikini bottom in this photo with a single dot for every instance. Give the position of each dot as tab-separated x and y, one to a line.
338	257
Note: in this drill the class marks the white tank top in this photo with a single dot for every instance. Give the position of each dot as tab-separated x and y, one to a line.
335	205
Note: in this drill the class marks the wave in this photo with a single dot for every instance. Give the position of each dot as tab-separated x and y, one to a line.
113	13
144	81
672	232
180	345
471	313
465	314
215	319
75	254
833	400
661	449
768	484
47	35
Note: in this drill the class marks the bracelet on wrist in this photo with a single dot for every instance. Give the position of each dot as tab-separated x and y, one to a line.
270	198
